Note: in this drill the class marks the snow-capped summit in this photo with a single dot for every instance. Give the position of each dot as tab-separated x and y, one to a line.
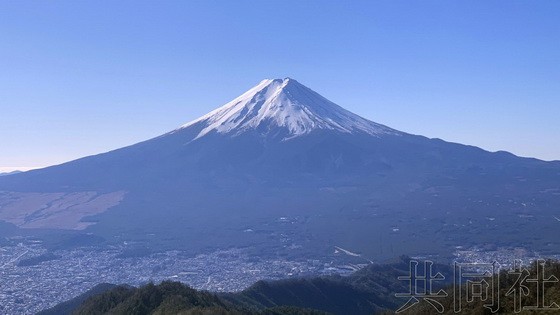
284	106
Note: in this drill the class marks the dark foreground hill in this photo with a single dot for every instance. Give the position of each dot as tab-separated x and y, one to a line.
70	305
367	291
166	298
370	290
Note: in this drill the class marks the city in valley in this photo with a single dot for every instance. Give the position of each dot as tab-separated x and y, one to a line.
33	279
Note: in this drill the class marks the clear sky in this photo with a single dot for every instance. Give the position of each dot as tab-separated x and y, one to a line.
84	77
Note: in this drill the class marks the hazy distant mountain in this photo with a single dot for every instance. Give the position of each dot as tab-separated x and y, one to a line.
284	170
9	173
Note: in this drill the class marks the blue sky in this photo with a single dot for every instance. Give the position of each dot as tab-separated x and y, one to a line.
83	77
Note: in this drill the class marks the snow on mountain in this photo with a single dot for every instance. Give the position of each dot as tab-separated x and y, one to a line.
284	104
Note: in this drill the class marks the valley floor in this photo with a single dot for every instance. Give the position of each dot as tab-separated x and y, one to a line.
32	279
28	288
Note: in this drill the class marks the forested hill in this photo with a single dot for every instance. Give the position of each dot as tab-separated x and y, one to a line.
173	298
367	291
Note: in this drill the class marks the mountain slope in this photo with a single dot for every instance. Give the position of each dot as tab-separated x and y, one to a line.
282	150
367	291
9	173
69	306
171	298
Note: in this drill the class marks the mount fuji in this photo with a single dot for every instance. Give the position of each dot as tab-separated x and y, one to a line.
283	170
